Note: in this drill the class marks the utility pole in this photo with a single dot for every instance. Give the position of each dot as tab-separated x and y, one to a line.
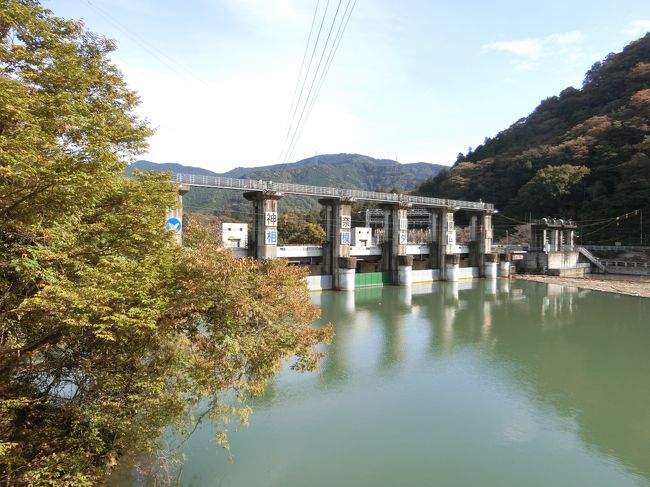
641	226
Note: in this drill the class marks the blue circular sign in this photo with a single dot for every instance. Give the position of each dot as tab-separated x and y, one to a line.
174	225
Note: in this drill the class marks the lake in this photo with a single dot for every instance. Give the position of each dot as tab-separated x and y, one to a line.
478	383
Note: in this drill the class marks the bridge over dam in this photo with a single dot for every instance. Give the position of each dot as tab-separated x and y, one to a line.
340	259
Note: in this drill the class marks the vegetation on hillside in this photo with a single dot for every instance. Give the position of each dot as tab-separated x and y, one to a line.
297	228
344	171
109	331
584	154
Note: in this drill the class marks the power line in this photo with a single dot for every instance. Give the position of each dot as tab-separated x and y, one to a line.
582	235
311	87
304	81
624	216
337	41
305	105
590	223
144	44
302	64
519	222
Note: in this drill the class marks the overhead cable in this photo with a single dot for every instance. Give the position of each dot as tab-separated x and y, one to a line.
304	81
311	86
147	46
302	65
337	41
305	105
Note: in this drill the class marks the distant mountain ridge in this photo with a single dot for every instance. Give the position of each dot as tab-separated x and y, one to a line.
168	166
352	171
338	170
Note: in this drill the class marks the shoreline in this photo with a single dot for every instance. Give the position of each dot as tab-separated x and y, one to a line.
623	286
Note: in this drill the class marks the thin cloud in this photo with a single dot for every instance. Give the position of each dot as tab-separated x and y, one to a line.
529	52
638	27
530	48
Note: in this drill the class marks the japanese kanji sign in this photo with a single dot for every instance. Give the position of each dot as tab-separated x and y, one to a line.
271	237
271	219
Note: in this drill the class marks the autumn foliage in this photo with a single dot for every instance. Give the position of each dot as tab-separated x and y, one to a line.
582	154
110	331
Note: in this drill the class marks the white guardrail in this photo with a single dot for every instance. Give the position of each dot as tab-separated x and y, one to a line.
322	191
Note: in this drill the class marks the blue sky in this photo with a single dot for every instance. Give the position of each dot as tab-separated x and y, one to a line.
414	80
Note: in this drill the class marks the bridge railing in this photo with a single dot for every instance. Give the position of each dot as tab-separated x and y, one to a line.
322	191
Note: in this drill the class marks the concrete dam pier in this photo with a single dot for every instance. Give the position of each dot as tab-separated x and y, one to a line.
350	256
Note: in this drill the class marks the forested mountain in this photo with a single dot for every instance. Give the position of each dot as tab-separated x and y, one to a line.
338	170
344	171
584	154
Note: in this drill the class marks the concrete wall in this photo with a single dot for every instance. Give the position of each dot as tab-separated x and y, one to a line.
533	261
430	275
361	237
316	283
541	261
578	271
468	273
238	251
420	265
363	267
630	271
562	260
234	235
426	275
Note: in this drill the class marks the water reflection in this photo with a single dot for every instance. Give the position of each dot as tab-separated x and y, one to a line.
508	377
581	352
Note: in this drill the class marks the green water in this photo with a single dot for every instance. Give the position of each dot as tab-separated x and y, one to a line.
485	383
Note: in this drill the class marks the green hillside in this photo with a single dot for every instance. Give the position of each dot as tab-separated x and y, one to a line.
584	154
337	170
344	171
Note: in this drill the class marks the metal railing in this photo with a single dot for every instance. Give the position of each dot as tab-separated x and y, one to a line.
322	191
620	248
417	216
623	263
564	222
592	258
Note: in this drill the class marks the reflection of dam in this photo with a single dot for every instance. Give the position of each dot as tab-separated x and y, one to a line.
587	360
580	352
471	384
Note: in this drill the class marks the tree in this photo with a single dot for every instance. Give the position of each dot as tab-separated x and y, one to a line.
294	228
517	235
641	101
603	126
108	330
544	190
